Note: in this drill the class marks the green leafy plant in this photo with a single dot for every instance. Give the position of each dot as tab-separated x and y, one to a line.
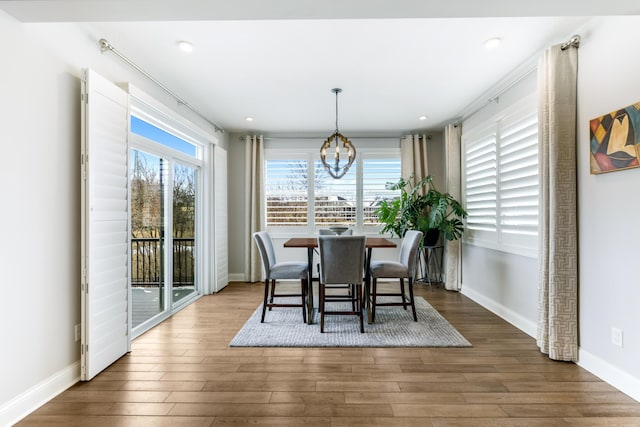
421	207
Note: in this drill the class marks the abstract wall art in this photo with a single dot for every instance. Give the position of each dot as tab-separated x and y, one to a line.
615	140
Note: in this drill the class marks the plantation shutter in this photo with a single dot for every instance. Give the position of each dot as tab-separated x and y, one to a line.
105	224
519	176
335	199
286	192
376	174
481	183
221	220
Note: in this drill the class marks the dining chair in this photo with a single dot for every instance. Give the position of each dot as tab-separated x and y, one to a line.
328	232
341	262
274	271
404	268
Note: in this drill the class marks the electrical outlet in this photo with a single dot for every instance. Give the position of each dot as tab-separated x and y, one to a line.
76	332
616	336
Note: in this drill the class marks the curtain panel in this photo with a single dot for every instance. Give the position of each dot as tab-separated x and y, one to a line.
453	174
254	188
558	249
413	157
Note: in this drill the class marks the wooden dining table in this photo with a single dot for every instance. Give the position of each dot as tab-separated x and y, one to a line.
312	242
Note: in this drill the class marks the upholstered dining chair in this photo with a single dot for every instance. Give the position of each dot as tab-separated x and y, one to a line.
404	268
328	232
341	262
274	270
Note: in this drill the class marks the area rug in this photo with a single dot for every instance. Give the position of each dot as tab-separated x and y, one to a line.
394	327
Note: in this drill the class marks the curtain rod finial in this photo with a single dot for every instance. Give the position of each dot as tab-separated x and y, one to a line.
574	42
104	45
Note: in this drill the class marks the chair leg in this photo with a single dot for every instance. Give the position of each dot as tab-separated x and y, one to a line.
266	297
374	290
321	305
358	290
404	300
413	302
273	291
303	292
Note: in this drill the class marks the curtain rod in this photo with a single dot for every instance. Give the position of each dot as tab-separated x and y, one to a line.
105	45
573	42
318	138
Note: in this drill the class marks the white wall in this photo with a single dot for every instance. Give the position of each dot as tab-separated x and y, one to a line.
40	249
40	213
609	209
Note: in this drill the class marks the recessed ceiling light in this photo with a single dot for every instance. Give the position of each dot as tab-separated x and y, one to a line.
423	118
185	46
249	118
492	43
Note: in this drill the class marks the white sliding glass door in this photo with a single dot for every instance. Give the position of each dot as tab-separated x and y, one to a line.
165	230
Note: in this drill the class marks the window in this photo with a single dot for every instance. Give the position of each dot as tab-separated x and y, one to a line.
334	199
376	174
501	180
286	192
292	180
140	127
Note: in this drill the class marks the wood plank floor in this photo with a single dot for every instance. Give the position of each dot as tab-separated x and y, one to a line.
182	373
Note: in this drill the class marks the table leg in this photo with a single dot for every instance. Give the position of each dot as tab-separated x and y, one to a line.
310	287
367	285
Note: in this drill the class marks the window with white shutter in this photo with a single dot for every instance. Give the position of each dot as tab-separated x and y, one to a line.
500	164
286	185
334	199
377	173
292	180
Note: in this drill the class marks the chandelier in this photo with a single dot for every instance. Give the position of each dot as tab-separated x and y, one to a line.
337	167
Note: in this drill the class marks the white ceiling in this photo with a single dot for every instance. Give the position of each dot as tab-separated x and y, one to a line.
277	61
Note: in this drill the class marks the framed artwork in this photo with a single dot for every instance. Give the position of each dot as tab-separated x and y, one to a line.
615	140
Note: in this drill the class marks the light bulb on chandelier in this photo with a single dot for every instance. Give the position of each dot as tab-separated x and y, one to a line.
337	169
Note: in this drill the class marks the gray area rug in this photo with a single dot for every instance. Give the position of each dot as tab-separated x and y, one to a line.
394	327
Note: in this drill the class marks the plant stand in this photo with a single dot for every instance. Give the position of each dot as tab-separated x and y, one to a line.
430	265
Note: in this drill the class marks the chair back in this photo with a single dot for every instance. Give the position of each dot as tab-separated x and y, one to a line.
327	232
409	250
341	259
267	253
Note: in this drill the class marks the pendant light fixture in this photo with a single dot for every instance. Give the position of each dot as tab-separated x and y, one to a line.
335	166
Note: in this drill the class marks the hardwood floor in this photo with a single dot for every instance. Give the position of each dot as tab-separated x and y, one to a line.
182	373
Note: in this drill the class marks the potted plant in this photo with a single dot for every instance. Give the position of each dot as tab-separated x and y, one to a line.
422	207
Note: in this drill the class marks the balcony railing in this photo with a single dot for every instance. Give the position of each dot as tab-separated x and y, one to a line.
147	262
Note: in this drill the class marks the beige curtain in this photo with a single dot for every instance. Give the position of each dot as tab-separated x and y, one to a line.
254	165
413	157
453	249
558	250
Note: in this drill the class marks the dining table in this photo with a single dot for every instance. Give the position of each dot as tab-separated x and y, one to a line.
311	243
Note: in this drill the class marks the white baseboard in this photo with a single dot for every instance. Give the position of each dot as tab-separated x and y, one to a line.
237	277
619	379
22	405
525	325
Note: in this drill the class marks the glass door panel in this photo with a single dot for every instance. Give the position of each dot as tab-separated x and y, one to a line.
148	176
184	225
